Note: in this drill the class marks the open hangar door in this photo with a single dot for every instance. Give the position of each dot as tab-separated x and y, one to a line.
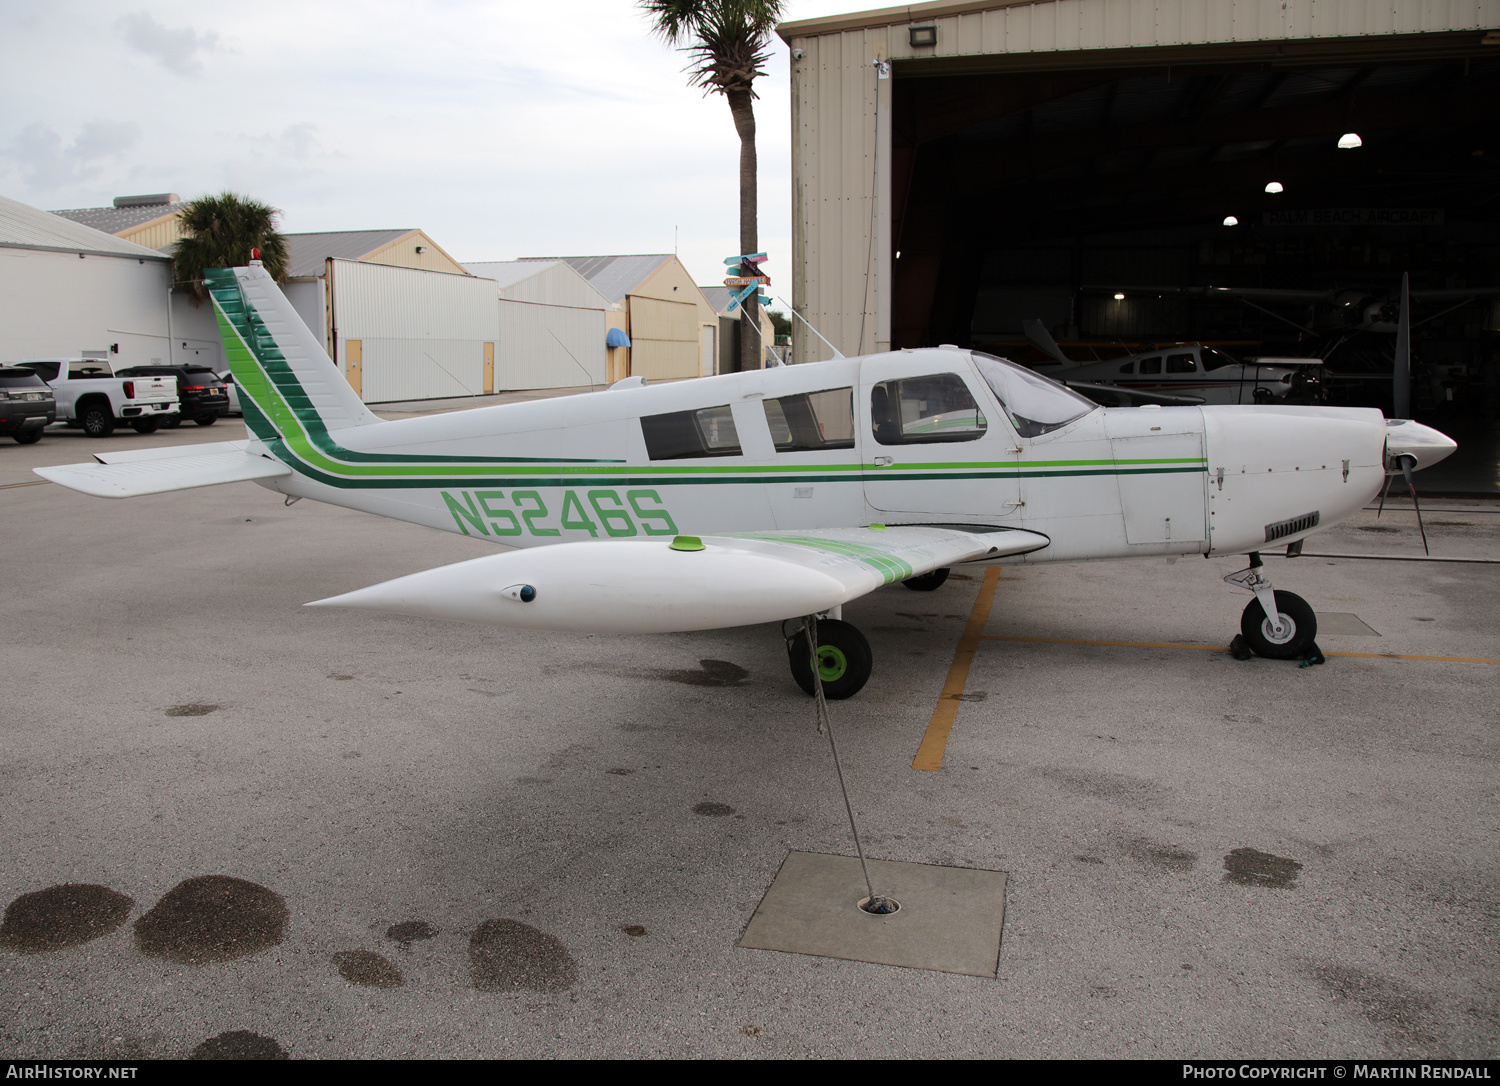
1022	191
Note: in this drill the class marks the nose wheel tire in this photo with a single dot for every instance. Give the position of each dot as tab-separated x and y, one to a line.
1300	628
844	660
926	582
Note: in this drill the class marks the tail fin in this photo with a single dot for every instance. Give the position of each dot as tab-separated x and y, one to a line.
1042	340
289	387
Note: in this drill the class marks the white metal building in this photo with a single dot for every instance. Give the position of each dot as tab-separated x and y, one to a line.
71	291
410	334
551	325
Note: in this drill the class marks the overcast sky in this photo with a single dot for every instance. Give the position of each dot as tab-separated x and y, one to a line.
503	129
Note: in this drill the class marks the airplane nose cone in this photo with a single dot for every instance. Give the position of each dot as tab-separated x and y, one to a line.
1404	438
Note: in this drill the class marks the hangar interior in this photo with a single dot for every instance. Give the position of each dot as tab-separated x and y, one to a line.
1020	190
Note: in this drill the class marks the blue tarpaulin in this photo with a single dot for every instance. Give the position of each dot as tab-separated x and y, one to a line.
617	338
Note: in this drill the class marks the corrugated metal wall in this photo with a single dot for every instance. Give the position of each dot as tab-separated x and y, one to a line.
423	333
548	346
841	212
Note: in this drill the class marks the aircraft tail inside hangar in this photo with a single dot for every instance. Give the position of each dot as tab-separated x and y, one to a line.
959	167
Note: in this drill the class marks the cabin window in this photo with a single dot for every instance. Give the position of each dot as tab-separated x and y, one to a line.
1035	404
1182	363
708	431
1128	367
923	410
1151	365
812	420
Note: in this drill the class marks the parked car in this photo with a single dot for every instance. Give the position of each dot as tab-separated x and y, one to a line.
201	395
91	397
234	393
27	405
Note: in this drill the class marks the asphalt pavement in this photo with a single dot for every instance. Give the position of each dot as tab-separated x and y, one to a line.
444	840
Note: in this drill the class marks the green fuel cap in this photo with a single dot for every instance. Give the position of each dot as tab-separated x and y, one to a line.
688	543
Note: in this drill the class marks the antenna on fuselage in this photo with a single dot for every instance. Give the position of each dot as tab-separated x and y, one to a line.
793	310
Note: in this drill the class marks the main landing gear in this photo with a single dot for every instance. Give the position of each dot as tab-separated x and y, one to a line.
1276	625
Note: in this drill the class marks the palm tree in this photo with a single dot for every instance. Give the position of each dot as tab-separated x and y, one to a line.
220	232
727	40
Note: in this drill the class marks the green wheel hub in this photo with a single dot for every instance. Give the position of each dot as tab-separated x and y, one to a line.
832	663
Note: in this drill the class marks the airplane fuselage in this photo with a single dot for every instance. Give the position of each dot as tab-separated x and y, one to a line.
911	437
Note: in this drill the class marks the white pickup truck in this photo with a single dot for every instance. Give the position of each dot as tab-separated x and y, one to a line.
90	396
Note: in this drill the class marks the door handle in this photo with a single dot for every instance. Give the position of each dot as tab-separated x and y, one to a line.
884	461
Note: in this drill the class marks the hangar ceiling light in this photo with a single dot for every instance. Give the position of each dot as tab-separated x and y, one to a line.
1350	140
1274	186
1230	220
1119	297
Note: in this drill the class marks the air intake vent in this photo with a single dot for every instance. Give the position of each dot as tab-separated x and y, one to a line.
1283	528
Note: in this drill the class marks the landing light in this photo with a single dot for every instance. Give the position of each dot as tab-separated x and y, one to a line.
1350	140
1230	220
1274	186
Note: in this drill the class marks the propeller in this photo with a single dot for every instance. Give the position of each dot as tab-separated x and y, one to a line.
1406	463
1401	375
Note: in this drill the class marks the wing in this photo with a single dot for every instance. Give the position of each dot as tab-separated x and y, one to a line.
662	586
156	471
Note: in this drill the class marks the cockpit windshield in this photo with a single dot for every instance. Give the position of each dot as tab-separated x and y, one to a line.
1036	405
1215	360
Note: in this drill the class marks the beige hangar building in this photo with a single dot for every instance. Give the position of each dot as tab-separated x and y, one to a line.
962	165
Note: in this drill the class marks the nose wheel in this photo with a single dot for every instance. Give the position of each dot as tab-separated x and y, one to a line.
1276	625
1287	639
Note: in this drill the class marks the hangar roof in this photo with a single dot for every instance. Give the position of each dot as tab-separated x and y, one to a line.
114	220
614	276
307	252
25	227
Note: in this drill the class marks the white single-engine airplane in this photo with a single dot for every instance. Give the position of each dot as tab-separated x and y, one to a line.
775	494
1178	374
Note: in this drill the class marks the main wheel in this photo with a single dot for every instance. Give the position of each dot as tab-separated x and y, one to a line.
97	420
926	582
27	437
1301	626
844	660
145	426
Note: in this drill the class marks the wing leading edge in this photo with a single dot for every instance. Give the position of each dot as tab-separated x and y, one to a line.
662	586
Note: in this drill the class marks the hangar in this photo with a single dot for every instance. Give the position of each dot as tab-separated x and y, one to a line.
961	166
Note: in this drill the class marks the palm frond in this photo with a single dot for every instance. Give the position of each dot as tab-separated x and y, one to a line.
221	232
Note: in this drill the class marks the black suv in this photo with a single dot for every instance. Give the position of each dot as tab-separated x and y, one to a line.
199	391
26	404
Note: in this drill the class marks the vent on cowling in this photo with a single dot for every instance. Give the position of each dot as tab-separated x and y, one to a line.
1283	528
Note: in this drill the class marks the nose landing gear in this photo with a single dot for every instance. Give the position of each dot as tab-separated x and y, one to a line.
1276	625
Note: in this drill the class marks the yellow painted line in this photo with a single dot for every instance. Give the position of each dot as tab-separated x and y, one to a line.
1122	644
935	742
1221	648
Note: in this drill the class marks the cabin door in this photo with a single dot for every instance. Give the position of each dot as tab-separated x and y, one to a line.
936	447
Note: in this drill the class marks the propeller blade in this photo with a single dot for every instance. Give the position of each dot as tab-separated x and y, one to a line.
1401	378
1406	463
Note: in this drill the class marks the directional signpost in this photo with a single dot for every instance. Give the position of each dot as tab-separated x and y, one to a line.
749	280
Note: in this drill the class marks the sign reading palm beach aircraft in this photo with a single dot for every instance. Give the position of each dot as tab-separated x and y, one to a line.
775	494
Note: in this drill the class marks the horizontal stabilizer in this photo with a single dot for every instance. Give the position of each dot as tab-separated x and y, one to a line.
662	586
161	474
172	452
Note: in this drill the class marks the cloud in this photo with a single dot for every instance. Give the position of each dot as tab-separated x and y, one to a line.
45	163
174	50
